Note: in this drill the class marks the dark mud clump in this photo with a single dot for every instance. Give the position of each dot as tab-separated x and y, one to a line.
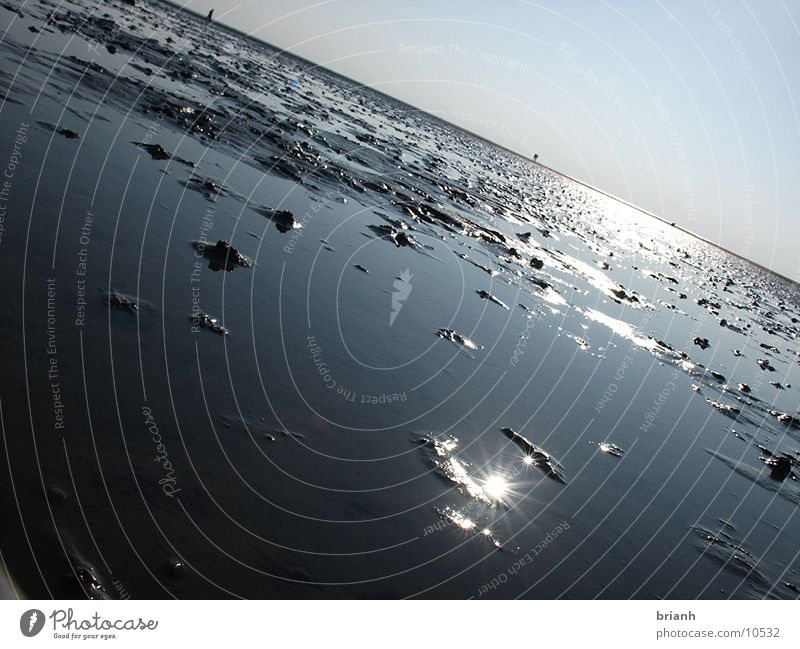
122	301
222	255
399	237
210	189
712	307
780	467
724	408
457	338
91	584
485	269
485	295
702	343
176	568
204	320
786	418
624	296
535	456
760	477
158	152
63	132
611	449
764	364
284	220
661	277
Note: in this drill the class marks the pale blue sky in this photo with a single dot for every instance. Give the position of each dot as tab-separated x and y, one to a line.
690	109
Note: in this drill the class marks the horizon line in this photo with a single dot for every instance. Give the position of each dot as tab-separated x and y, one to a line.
480	137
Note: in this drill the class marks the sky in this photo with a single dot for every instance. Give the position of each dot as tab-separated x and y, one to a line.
689	109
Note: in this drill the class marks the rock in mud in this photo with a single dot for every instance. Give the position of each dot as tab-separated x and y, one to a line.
222	255
284	220
611	449
624	296
786	418
204	320
91	583
780	467
485	295
534	456
121	301
156	151
724	408
764	364
457	338
399	238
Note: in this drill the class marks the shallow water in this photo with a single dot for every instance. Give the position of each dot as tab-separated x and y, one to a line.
297	427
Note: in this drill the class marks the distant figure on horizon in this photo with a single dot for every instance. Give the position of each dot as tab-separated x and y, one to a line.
535	157
210	14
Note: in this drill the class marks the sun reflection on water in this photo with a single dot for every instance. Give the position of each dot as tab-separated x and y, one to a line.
496	487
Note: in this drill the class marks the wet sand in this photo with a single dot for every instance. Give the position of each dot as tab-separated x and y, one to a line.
267	333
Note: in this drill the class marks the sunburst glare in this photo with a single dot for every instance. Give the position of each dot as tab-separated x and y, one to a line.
496	487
